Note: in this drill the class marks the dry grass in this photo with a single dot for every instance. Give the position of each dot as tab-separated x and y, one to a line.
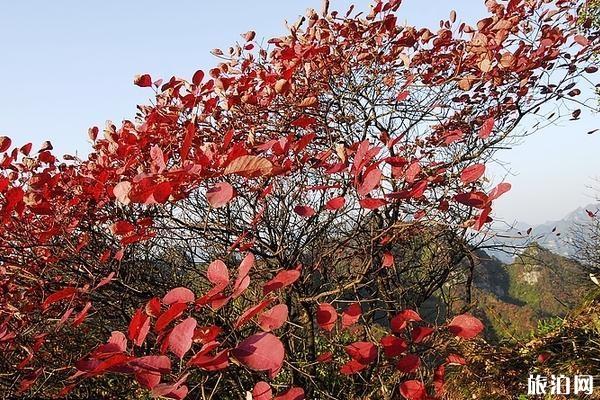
501	372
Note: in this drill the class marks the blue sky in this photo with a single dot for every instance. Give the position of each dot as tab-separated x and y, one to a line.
69	65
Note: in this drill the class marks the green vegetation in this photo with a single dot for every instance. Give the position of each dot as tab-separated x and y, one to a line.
570	347
529	296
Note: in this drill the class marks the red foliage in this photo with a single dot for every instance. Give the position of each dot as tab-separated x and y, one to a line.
259	122
465	326
326	316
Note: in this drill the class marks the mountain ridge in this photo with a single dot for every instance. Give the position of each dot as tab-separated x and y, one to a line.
536	288
554	235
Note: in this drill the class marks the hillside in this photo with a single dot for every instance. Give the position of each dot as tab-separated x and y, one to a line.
528	294
570	347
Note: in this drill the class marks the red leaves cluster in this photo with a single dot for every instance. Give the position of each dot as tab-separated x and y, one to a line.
258	122
408	330
177	334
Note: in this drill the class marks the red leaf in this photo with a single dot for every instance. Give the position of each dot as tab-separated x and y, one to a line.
363	352
190	131
218	273
369	182
336	203
5	143
179	295
261	352
483	218
197	78
220	194
472	173
29	380
409	363
304	121
388	260
249	166
465	326
455	359
393	346
472	199
399	322
486	128
153	307
413	170
413	390
499	190
3	183
66	315
158	364
282	279
13	196
66	293
138	327
148	380
121	192
439	380
326	316
249	313
118	338
372	204
310	101
581	40
180	338
294	393
249	36
351	315
282	86
402	96
262	391
106	280
543	357
419	333
25	149
172	312
589	213
325	357
175	390
161	193
410	315
274	318
157	156
111	362
209	362
243	279
352	367
143	80
207	334
79	318
304	211
92	134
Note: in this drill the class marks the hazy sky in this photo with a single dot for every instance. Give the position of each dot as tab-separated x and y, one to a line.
69	65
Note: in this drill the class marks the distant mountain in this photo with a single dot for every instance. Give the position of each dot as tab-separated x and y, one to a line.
552	235
562	244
